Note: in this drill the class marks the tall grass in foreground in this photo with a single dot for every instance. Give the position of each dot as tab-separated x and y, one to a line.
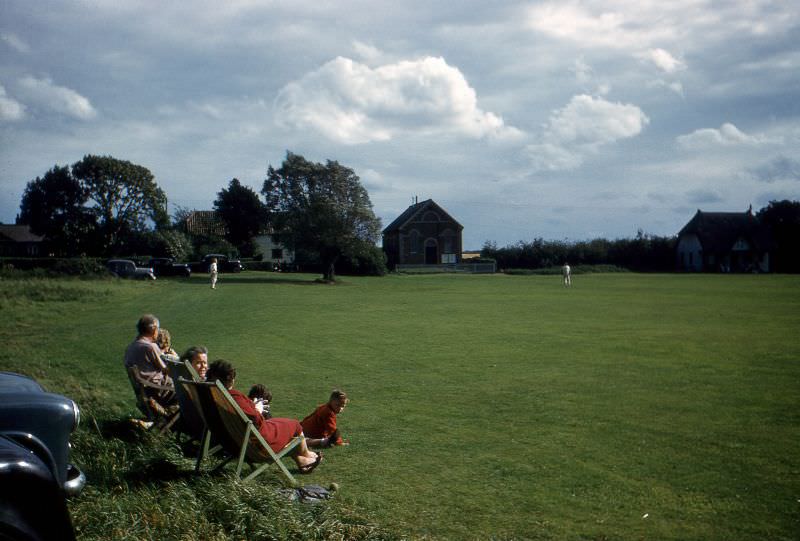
626	407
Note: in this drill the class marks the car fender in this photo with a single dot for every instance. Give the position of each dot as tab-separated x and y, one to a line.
27	488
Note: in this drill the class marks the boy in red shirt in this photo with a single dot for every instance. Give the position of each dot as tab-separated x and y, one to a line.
320	427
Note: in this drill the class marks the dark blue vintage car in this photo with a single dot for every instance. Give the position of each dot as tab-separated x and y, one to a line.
35	473
224	264
166	266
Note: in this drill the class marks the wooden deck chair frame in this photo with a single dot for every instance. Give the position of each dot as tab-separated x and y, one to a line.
235	431
191	412
140	384
192	423
193	397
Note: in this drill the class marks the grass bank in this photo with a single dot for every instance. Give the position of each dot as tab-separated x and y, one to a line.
628	406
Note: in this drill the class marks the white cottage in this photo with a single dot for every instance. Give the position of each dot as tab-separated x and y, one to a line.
724	242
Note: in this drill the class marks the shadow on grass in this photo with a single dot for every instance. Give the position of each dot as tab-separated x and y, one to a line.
273	281
160	457
122	429
156	470
243	280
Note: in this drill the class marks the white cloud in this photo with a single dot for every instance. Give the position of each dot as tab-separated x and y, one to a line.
351	103
551	157
10	109
15	42
366	52
727	135
374	180
663	60
58	98
595	121
598	27
580	128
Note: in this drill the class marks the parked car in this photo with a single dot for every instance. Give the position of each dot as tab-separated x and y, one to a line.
35	473
224	264
125	268
166	266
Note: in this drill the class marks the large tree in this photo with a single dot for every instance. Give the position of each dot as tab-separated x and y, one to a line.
127	200
243	213
54	206
783	219
322	209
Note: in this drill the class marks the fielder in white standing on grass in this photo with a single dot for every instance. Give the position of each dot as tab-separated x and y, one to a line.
566	273
212	270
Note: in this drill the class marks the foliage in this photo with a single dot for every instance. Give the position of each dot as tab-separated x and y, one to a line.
783	219
125	195
100	206
243	213
210	245
643	253
51	266
53	206
323	209
80	266
180	216
557	271
369	261
172	243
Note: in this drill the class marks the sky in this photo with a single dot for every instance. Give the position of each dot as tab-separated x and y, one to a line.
562	120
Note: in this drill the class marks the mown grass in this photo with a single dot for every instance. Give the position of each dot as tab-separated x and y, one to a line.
626	407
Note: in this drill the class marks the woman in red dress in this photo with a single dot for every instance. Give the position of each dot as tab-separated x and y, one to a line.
278	431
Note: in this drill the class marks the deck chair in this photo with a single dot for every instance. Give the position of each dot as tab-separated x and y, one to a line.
162	418
190	422
234	431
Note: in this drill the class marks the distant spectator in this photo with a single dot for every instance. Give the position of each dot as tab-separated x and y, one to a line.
320	426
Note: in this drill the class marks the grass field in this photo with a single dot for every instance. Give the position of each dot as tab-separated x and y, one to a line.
629	406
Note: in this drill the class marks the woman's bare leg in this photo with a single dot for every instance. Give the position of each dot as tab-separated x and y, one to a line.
304	456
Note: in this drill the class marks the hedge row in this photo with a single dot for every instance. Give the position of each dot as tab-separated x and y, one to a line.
75	266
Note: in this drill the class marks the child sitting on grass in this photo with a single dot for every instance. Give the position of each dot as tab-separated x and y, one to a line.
320	427
261	397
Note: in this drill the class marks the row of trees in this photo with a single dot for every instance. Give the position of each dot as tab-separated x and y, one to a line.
644	253
103	206
94	207
783	220
648	252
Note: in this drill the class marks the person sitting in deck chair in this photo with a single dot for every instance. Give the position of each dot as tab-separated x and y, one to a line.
198	358
277	431
145	355
164	342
